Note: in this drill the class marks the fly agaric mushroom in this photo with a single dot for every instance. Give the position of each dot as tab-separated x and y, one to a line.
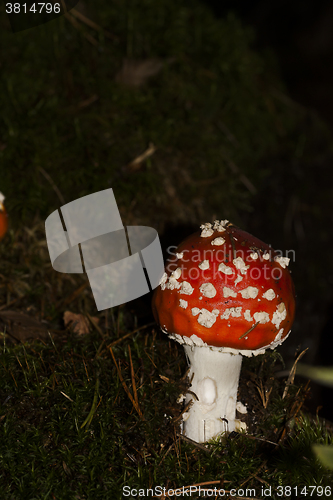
3	217
225	295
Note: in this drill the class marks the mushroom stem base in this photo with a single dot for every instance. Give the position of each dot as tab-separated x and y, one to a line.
215	377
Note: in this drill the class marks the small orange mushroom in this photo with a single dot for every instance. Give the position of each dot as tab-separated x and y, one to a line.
3	217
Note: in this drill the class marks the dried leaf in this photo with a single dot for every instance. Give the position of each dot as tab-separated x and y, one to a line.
80	323
135	73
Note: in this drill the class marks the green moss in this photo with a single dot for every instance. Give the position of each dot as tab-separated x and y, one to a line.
47	392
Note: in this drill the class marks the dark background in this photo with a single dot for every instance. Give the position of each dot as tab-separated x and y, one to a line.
301	34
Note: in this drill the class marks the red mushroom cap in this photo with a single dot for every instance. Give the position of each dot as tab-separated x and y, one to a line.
227	288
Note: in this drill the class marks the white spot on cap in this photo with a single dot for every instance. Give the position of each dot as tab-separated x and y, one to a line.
235	312
217	241
227	292
208	290
183	303
262	317
186	288
225	269
279	315
269	294
240	265
180	255
163	280
206	230
249	293
195	311
207	318
173	283
254	255
238	279
266	256
220	225
176	274
204	265
247	315
283	261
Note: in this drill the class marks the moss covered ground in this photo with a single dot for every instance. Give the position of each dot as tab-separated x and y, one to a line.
96	414
79	110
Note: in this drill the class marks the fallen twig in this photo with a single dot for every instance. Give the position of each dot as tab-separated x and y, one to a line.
292	373
115	342
134	403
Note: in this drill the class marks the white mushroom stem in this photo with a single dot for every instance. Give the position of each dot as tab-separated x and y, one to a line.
215	383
